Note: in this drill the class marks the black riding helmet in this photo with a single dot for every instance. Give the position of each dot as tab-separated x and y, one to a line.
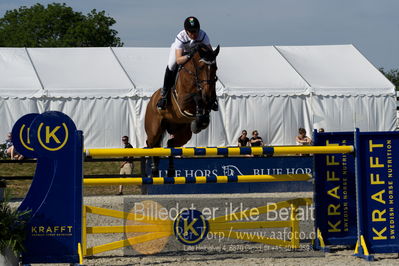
191	24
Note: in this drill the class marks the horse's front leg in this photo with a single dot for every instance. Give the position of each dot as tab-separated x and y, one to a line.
202	115
199	110
203	121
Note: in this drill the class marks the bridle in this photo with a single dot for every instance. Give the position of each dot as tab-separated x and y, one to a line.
199	82
201	105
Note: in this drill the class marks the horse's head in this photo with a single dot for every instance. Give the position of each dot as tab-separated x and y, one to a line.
203	68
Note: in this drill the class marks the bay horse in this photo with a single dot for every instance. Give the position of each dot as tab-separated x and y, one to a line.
189	103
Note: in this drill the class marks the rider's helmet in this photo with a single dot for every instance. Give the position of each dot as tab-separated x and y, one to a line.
191	24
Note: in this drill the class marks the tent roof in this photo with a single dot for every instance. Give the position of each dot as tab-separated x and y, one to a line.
258	70
337	69
17	76
121	72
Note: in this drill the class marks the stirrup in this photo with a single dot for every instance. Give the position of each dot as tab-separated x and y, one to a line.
161	105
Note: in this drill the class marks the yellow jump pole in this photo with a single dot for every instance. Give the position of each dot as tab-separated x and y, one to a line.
231	151
313	149
196	180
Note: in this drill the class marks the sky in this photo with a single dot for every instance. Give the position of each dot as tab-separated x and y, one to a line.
372	26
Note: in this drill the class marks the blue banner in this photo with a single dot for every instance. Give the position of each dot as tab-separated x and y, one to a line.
233	166
378	193
55	196
335	192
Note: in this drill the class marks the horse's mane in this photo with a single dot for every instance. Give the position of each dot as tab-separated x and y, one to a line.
204	51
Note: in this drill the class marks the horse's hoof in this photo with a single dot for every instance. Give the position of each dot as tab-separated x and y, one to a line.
196	131
215	107
194	127
203	122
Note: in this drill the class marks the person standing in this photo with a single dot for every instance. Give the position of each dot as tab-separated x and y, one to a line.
126	167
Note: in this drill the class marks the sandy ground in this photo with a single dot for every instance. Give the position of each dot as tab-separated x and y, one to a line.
213	250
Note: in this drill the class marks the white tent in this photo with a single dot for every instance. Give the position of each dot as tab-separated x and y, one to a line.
274	89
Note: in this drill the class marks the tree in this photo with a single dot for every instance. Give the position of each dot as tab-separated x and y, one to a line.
393	76
56	25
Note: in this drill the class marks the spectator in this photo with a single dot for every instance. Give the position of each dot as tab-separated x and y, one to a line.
256	141
10	150
321	130
126	167
302	139
243	140
7	145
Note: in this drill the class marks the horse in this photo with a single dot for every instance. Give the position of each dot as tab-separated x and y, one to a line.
189	104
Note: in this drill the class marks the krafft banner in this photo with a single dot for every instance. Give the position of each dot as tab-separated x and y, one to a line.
55	196
378	194
335	192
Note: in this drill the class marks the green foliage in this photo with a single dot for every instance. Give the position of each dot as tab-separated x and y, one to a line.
392	75
56	25
12	227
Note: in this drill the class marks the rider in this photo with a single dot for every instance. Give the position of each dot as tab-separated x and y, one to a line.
179	54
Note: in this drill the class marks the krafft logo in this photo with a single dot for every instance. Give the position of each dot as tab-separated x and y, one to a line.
52	138
52	134
51	230
24	137
191	227
21	136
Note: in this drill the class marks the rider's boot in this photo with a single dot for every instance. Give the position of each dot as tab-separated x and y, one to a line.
168	82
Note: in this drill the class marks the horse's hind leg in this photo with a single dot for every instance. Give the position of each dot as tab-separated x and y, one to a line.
171	166
154	130
181	135
154	166
154	162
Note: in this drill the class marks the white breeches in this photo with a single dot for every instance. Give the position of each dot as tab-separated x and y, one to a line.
172	57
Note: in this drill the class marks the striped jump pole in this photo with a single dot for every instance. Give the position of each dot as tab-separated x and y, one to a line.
228	151
196	180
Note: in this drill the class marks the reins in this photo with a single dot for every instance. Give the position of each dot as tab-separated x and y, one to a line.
198	82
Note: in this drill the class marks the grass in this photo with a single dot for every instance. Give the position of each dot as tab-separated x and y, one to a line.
19	188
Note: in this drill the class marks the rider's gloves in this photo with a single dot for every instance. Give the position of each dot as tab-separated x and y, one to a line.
192	52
